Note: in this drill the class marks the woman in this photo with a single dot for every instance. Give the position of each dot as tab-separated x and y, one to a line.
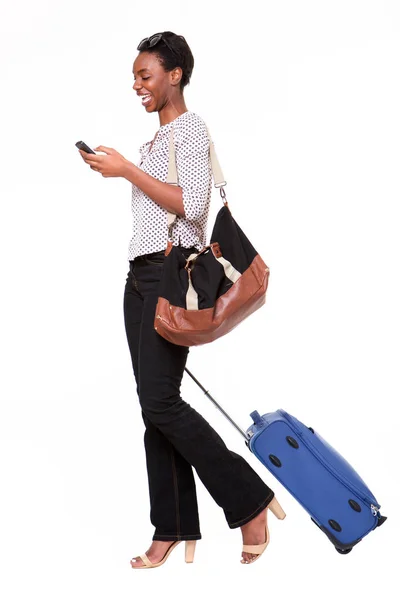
176	437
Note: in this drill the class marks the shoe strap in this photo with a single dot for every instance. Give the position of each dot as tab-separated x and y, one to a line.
146	560
254	549
258	548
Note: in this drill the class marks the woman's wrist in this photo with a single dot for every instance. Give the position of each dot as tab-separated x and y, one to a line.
128	171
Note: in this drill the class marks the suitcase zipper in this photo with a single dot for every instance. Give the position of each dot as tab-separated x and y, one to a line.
375	510
368	500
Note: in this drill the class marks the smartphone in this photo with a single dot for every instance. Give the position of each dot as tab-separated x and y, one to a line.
82	146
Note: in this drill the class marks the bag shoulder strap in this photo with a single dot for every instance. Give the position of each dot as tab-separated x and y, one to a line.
215	166
172	177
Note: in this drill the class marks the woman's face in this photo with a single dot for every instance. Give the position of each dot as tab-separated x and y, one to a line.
160	86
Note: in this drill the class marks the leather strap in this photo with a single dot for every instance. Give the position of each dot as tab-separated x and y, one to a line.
172	177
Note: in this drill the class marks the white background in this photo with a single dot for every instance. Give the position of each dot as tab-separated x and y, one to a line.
302	101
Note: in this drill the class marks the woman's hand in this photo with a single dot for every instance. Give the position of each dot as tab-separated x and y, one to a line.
112	165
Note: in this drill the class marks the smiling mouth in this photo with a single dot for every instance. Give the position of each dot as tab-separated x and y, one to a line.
146	99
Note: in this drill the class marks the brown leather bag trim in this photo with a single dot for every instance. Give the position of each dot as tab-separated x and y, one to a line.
194	327
168	248
216	250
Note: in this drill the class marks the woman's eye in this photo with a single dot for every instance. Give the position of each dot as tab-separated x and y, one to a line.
134	79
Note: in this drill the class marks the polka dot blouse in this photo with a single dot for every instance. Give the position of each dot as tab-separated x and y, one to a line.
150	225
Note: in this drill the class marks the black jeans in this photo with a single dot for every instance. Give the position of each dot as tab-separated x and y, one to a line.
176	436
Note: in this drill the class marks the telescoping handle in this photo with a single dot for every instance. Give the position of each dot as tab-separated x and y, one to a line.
243	433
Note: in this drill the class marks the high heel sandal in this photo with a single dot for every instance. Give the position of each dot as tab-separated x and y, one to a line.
190	546
279	513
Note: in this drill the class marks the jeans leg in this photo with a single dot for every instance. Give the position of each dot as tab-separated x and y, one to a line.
231	481
173	500
133	310
172	490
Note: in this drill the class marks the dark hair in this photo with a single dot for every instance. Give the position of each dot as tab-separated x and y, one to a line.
176	53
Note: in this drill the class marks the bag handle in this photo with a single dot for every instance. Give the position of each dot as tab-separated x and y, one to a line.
172	177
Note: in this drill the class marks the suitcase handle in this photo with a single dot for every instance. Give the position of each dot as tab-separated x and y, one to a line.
243	433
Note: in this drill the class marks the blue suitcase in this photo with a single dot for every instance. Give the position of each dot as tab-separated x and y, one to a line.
318	477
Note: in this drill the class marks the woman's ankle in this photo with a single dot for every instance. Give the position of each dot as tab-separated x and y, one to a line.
258	519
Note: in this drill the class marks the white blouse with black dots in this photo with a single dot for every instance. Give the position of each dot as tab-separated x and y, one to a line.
150	225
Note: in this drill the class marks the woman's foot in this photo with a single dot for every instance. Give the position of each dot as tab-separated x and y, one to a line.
155	553
254	533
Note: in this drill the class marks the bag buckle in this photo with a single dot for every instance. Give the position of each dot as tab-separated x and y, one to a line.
215	249
190	260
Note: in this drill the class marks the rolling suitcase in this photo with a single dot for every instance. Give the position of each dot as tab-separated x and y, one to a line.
316	475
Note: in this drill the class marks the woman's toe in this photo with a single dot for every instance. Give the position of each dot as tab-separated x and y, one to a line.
136	562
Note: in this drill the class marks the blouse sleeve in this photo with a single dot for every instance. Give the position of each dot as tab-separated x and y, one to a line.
193	166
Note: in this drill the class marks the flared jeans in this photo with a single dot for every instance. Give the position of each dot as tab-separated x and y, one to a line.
177	438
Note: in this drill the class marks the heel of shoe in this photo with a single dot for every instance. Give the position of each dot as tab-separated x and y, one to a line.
276	509
190	546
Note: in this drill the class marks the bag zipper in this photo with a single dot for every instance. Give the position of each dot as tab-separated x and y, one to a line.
161	319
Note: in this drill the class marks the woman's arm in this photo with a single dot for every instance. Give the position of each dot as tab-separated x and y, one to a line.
166	195
189	198
193	166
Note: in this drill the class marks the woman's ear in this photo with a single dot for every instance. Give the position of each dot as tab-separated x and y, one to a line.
176	75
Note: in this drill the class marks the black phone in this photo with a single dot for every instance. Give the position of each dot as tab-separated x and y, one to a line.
82	146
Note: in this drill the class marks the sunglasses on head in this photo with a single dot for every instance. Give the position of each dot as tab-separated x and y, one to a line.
151	41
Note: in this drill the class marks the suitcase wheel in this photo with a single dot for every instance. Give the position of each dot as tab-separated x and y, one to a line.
332	539
381	520
344	551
